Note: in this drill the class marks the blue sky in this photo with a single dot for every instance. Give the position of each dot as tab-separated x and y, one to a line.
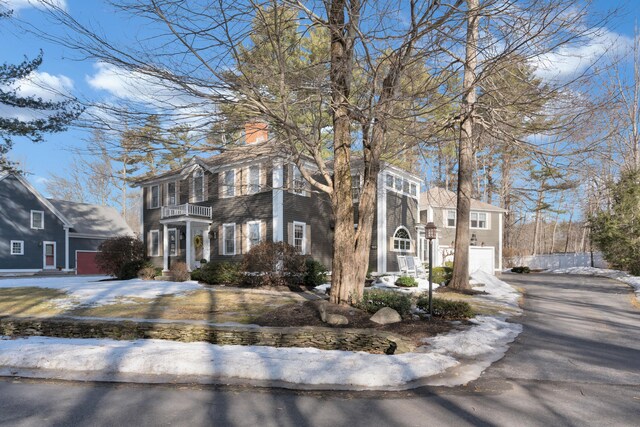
63	69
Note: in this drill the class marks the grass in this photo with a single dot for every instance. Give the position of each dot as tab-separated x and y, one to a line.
479	306
211	305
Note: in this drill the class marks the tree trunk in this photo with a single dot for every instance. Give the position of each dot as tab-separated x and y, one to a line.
460	279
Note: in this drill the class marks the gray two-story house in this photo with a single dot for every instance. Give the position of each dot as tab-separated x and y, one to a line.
39	234
439	206
217	208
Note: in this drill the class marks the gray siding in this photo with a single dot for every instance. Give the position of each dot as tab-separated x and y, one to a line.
401	211
16	203
447	235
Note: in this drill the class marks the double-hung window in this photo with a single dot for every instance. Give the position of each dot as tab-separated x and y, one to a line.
17	247
37	220
355	187
479	220
173	241
155	197
198	186
253	179
451	218
172	193
155	243
229	183
297	181
253	234
299	236
229	236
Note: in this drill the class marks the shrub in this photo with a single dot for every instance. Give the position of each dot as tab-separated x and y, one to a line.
521	269
375	299
149	272
442	274
114	253
130	269
179	272
407	282
446	309
315	274
273	264
218	273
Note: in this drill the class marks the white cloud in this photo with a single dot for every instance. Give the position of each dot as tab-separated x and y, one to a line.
17	5
568	61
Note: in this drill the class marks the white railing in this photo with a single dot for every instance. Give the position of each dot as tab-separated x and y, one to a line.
186	210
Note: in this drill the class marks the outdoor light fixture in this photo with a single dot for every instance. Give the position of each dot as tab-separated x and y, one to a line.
474	240
430	233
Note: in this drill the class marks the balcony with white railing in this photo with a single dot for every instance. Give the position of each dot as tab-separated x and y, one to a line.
186	210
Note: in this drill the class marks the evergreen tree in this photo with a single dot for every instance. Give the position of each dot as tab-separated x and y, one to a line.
49	116
617	232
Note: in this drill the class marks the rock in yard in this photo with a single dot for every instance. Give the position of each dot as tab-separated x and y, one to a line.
386	315
322	310
336	319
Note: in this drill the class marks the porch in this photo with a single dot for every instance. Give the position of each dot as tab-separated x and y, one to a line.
191	223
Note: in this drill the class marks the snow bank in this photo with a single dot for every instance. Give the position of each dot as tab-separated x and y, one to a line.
496	288
108	358
92	291
633	281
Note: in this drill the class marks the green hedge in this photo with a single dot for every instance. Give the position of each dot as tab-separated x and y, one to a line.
446	309
406	282
442	274
218	273
375	299
520	270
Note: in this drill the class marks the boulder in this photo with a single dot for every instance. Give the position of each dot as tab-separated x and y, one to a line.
330	318
385	316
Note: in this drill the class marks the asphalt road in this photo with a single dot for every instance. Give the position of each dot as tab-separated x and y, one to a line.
576	363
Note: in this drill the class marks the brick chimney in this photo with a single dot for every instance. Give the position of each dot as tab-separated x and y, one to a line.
255	131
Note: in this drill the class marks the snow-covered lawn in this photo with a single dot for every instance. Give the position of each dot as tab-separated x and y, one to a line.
485	342
633	281
91	290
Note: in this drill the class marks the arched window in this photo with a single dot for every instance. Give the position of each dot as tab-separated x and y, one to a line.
402	240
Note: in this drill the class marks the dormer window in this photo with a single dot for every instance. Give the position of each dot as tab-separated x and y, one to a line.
198	185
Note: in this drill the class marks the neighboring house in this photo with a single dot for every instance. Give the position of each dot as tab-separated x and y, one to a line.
218	208
439	206
44	234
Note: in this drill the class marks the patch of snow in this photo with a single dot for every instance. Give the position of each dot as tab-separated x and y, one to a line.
496	288
92	290
322	289
633	281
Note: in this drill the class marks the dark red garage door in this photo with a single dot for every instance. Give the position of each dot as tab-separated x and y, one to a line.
86	263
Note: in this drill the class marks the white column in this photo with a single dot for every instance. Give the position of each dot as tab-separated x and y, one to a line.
278	201
381	225
206	244
165	249
188	255
66	249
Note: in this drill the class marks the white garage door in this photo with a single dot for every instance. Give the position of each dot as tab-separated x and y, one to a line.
482	258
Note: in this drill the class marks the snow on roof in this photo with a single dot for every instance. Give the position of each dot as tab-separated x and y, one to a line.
100	221
438	197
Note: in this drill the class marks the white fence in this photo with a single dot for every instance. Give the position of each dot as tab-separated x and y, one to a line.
555	261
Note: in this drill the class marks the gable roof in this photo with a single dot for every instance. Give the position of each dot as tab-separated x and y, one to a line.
65	221
437	197
93	220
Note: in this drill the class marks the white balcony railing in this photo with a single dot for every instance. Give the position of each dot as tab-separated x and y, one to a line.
186	210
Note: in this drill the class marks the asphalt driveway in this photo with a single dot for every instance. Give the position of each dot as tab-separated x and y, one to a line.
577	363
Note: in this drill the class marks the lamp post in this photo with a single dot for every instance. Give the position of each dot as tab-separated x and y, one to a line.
430	234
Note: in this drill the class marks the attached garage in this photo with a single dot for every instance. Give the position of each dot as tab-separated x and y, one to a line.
482	258
86	263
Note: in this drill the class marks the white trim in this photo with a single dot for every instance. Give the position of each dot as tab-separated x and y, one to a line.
487	222
73	235
165	249
411	244
151	206
278	202
44	255
42	217
304	235
224	239
403	179
381	226
500	241
260	237
21	247
66	249
188	244
76	257
151	232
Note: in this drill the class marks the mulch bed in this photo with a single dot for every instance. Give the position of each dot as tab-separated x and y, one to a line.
306	314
